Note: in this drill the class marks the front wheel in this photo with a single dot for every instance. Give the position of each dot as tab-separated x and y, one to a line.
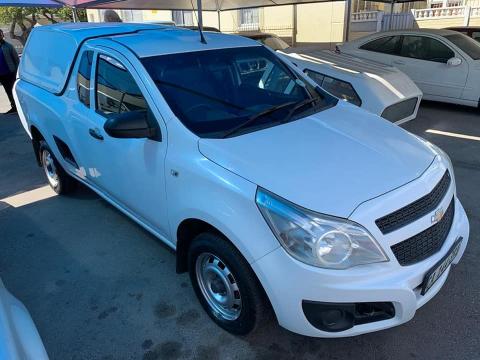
57	178
226	286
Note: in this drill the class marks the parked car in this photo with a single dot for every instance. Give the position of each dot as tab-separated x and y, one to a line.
162	22
19	338
274	194
470	31
444	64
205	28
273	41
379	89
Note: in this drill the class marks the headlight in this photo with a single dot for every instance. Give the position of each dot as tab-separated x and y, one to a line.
339	88
316	239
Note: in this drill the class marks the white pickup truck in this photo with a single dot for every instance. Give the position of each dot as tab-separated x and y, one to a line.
274	194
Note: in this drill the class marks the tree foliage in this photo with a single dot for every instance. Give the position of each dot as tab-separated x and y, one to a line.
25	18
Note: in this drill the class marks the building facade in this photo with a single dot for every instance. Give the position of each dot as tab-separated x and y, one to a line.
320	24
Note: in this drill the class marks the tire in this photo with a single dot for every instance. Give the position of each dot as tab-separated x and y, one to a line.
57	178
250	309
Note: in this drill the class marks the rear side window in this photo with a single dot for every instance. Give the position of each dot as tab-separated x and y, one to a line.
83	78
386	45
116	89
425	48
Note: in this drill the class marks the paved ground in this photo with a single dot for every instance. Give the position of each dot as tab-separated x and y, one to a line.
99	287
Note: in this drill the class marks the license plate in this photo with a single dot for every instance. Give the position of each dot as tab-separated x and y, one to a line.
435	272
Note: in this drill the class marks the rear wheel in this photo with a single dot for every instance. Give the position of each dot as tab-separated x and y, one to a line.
226	285
57	178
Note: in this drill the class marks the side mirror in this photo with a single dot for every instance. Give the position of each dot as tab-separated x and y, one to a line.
129	125
454	61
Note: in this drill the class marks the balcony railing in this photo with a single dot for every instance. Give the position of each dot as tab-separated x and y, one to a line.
454	11
447	12
365	16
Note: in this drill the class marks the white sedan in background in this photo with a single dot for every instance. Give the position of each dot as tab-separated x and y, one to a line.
19	338
379	89
443	63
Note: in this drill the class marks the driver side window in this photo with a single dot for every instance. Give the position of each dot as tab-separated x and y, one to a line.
425	48
116	89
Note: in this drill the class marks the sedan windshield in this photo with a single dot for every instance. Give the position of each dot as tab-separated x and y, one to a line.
226	92
466	44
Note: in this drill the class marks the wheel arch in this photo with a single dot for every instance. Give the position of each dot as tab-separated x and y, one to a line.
187	230
36	138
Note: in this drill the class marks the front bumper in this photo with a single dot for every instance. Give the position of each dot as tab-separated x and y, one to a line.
288	282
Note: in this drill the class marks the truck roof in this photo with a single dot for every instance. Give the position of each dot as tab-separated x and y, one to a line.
81	31
51	50
178	40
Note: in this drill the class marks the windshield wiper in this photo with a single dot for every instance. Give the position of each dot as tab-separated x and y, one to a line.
298	106
255	117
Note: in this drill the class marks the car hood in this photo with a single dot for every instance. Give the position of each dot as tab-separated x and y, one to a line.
328	162
394	83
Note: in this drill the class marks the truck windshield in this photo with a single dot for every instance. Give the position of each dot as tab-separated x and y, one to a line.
218	93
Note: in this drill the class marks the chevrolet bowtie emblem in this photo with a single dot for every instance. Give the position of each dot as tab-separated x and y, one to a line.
438	215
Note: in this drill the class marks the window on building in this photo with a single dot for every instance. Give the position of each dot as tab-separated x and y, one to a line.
83	77
249	18
425	48
117	91
183	17
386	45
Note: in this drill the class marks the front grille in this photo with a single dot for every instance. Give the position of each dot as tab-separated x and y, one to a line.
401	110
415	210
426	243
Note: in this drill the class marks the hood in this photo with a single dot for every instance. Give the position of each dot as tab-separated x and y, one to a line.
346	67
329	162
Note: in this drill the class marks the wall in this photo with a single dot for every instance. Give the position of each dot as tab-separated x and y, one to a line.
320	23
157	15
317	24
445	22
439	23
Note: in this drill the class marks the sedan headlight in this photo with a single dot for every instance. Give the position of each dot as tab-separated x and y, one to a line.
317	239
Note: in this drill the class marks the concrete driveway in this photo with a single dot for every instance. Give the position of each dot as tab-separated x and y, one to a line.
100	287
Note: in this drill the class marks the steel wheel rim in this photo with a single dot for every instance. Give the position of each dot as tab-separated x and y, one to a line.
50	168
219	287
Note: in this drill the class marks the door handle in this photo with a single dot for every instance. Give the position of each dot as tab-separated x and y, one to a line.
396	62
95	133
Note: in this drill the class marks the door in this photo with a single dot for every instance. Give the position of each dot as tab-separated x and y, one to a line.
129	171
424	59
